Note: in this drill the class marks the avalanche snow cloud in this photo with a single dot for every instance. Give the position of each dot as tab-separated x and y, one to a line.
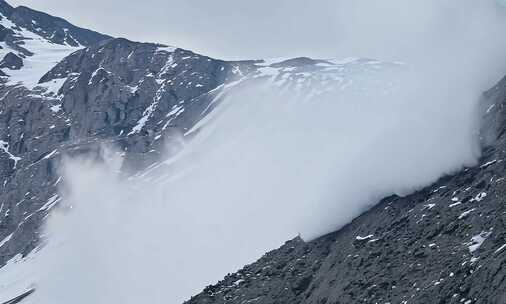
271	164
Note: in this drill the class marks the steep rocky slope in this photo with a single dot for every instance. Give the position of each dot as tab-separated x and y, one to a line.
444	244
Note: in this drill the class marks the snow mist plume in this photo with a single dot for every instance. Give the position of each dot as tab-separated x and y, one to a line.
272	164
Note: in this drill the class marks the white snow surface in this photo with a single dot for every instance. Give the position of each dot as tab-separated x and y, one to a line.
477	241
4	146
46	55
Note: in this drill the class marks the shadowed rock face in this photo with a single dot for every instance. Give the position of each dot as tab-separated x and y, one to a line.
11	61
443	244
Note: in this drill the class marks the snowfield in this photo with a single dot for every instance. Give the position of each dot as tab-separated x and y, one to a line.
45	56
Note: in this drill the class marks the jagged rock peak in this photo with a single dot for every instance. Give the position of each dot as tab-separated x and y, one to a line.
54	29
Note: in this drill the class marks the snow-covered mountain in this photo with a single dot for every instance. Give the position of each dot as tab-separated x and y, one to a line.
64	90
32	42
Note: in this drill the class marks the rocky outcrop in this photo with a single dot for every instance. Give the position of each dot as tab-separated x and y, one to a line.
11	61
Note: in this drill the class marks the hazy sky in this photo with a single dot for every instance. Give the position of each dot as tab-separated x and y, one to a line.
232	29
225	28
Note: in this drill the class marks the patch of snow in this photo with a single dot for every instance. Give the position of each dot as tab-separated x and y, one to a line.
429	206
477	241
500	248
46	56
149	110
53	86
50	203
455	204
5	240
133	89
4	146
466	213
169	49
440	188
95	73
479	197
50	154
56	108
488	163
363	238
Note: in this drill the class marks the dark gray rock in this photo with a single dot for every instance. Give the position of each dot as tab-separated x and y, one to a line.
11	61
4	32
300	61
5	8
